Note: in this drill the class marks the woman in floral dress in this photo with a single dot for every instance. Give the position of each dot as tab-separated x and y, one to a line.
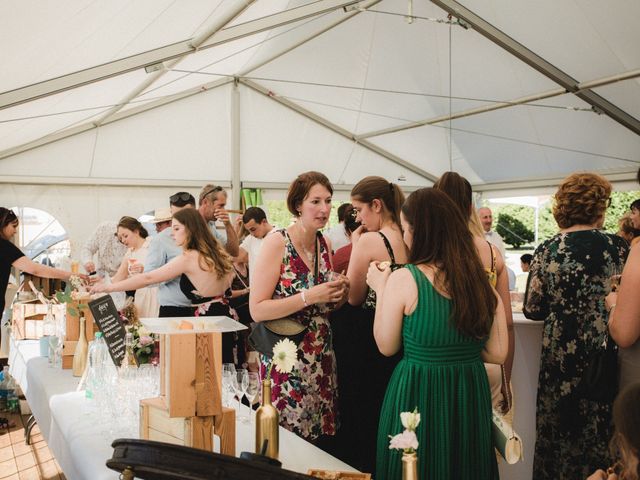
568	281
291	279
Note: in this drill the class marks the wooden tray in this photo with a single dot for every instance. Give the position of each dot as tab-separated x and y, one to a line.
169	325
337	475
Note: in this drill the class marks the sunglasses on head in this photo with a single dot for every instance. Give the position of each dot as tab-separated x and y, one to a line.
214	189
180	196
8	217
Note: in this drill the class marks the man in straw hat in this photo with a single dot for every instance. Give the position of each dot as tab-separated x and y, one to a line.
161	218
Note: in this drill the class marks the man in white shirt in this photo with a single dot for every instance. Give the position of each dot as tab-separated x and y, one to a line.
255	221
103	250
486	219
212	201
337	234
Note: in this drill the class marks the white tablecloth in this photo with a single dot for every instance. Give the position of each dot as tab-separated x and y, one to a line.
524	379
82	447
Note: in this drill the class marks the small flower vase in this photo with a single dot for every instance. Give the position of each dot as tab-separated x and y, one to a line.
267	424
409	466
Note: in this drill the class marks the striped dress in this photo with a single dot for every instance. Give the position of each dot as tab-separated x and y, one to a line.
442	375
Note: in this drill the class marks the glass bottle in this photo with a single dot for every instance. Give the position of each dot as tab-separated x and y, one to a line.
129	359
267	424
80	354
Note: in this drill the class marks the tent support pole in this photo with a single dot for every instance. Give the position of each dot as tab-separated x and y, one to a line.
235	145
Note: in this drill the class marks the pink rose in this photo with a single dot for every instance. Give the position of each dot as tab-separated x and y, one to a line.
145	340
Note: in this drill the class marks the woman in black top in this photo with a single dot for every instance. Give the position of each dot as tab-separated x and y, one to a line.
204	268
10	255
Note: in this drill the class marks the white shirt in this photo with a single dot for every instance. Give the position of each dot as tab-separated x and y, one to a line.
252	246
103	248
338	236
496	239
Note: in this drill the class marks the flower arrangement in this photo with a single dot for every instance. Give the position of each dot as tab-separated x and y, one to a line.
143	342
407	440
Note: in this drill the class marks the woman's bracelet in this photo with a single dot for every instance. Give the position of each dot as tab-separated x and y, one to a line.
304	300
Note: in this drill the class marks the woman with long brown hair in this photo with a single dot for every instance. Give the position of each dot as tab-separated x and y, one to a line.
377	203
205	269
459	190
441	311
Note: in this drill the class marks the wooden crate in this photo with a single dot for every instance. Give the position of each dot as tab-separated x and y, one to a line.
191	374
27	319
197	432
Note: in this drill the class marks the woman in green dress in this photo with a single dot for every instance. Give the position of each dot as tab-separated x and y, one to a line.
444	314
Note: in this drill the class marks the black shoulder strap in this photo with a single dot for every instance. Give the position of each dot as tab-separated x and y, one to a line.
388	245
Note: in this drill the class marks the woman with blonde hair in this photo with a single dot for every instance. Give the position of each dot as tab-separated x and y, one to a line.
135	237
459	190
204	268
569	277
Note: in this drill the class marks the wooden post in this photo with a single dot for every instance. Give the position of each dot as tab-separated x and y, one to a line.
180	375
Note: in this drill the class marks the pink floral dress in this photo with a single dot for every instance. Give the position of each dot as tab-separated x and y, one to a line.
307	398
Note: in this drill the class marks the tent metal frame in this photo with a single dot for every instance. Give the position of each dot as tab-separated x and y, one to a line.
521	52
217	35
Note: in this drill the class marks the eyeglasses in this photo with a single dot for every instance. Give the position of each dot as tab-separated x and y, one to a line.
209	192
183	196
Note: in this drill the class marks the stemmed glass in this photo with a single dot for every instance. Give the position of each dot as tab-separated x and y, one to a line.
228	379
240	386
253	388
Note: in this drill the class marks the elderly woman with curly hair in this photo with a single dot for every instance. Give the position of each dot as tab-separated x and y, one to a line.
568	281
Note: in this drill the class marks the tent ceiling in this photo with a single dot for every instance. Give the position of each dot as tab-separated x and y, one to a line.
358	90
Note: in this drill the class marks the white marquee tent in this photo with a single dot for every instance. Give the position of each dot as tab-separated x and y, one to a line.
106	108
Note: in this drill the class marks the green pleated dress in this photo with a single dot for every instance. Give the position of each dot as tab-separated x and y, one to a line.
442	374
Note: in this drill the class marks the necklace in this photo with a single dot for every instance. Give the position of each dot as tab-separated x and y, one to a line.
310	254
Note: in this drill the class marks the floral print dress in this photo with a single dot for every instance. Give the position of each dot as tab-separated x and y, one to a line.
568	281
307	397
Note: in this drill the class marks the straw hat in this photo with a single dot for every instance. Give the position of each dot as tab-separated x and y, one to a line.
161	215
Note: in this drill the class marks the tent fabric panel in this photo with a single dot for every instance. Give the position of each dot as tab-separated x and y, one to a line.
86	33
66	109
275	135
70	157
587	39
187	139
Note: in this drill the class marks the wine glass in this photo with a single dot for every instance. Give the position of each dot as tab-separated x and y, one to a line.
228	377
240	387
616	276
253	388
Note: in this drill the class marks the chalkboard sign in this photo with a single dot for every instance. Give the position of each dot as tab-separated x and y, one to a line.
106	316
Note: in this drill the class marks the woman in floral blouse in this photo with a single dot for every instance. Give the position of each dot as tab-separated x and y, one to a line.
568	281
291	279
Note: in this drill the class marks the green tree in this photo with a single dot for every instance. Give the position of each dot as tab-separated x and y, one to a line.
513	231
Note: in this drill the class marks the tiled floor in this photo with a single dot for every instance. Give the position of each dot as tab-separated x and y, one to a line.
19	461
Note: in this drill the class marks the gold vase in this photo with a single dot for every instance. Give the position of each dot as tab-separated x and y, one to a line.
80	354
409	466
267	423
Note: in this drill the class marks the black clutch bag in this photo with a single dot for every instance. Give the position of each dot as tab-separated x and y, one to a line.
264	335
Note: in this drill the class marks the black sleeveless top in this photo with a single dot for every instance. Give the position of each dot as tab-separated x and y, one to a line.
189	291
370	301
